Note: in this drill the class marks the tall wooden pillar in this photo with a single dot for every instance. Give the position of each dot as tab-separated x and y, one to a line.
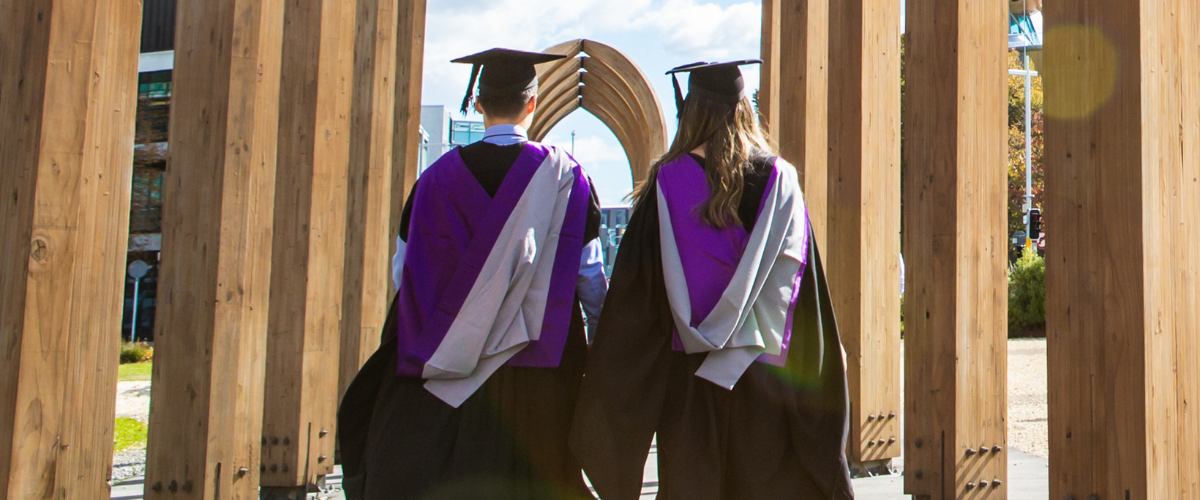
406	135
68	91
1123	265
863	238
211	331
955	246
304	329
368	206
793	95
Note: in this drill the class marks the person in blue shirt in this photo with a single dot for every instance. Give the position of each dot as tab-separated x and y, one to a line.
473	391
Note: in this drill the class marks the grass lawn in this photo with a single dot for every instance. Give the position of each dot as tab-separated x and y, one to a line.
129	433
129	372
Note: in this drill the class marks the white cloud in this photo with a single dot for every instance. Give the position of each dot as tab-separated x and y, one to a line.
687	29
706	30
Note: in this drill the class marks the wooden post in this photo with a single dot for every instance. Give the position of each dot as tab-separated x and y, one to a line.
211	330
304	330
1123	265
406	138
368	206
795	79
954	245
863	238
68	95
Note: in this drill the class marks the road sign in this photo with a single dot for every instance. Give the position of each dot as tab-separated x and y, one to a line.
138	269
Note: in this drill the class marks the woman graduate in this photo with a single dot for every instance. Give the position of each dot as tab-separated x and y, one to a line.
717	332
472	392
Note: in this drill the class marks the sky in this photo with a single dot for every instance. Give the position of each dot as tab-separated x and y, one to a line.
656	34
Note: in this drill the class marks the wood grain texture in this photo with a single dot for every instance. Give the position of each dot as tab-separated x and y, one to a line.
795	96
863	238
210	333
308	250
368	205
68	94
406	134
955	245
606	83
1123	183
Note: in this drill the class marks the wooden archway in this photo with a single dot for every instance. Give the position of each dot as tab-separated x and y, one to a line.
606	83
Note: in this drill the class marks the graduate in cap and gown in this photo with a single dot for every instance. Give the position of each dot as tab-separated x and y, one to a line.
717	333
472	392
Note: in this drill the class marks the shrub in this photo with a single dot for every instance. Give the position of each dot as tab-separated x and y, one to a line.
1027	293
136	352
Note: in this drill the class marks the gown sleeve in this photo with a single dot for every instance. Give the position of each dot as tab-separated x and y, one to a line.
623	389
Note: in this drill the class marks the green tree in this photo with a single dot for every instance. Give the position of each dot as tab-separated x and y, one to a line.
1016	144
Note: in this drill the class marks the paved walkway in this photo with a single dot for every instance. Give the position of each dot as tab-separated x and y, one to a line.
1028	479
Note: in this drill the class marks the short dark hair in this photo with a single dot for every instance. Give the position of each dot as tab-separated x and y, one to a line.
505	105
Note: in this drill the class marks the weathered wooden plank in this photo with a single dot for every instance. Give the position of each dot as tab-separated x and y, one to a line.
308	250
368	204
863	238
68	93
406	135
795	96
210	338
1123	123
954	247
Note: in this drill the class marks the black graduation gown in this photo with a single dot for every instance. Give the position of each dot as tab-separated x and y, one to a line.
780	433
507	441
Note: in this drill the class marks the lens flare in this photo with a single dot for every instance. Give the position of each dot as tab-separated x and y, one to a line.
1081	71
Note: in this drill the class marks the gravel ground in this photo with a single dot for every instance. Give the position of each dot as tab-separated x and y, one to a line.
1027	429
133	401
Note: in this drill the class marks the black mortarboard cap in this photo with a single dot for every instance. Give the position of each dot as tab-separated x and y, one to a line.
503	71
719	81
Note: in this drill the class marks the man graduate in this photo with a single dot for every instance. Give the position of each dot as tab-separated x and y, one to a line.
473	390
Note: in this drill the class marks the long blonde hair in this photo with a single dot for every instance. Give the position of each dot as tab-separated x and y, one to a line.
730	135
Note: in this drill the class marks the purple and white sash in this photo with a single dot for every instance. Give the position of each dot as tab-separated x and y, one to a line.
732	293
489	281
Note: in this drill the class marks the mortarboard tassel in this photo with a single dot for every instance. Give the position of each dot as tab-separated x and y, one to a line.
466	104
678	97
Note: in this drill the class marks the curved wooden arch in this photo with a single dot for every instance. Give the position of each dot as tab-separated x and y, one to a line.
606	83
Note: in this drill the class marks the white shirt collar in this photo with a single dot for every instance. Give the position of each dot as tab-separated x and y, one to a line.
505	135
